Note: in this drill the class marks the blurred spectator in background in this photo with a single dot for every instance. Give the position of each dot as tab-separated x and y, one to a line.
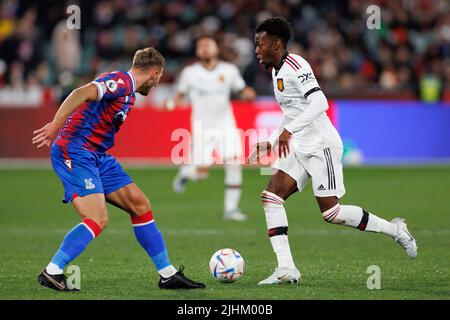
408	56
24	70
66	47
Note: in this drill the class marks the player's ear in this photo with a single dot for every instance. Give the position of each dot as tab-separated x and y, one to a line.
277	44
157	71
154	72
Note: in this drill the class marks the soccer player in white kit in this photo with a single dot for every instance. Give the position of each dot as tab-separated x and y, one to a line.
208	85
309	147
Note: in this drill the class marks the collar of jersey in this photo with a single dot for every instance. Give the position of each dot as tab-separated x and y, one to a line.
130	73
283	58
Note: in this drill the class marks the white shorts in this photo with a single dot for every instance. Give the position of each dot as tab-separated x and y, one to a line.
226	143
324	168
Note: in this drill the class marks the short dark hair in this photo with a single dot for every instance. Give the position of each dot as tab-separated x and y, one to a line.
206	36
277	27
148	57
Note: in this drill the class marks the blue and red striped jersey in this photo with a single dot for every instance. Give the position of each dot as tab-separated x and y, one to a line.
94	124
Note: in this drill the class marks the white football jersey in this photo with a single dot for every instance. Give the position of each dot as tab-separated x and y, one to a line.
293	82
209	92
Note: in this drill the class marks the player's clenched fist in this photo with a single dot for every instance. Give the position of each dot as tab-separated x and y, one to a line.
45	135
259	150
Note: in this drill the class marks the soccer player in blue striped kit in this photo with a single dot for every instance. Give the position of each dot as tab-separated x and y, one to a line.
80	135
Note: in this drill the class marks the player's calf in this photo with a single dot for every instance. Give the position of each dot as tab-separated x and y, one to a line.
146	231
359	218
151	239
74	243
277	225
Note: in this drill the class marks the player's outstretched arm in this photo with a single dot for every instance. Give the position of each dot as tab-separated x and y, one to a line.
45	135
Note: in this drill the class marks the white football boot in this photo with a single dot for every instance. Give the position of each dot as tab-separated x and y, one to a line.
282	275
234	215
404	237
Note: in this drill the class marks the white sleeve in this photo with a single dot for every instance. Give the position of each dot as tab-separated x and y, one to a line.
276	133
183	82
309	87
101	89
237	82
317	105
306	81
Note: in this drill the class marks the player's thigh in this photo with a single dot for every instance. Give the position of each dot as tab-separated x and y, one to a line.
325	168
131	199
77	169
112	174
93	207
289	177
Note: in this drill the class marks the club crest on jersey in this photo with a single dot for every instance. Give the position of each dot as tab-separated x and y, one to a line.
112	85
280	84
221	78
89	184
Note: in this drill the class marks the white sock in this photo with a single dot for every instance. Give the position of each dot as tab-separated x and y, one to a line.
232	197
53	269
167	272
233	182
280	245
277	225
357	217
377	224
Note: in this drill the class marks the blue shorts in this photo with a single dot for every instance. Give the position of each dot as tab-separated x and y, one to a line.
83	172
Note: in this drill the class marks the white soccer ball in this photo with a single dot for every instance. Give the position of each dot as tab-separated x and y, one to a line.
226	265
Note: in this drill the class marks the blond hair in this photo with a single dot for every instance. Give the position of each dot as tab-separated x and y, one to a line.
148	57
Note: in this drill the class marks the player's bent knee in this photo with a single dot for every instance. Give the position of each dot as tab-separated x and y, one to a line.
331	214
271	199
100	221
326	203
103	221
141	205
279	190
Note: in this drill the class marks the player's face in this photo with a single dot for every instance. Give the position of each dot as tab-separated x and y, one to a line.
206	49
264	50
155	75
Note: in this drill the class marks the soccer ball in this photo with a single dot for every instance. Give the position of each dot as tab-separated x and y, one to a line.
226	265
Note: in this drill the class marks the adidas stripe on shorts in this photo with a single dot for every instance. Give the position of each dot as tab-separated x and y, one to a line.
323	167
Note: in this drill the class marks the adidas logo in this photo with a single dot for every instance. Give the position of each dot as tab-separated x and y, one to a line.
321	188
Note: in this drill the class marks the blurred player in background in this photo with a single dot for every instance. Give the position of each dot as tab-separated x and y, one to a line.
208	84
315	153
86	124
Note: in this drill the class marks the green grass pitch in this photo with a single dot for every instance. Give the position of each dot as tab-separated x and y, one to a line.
333	259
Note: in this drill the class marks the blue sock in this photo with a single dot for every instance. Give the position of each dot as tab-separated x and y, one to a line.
149	237
75	241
